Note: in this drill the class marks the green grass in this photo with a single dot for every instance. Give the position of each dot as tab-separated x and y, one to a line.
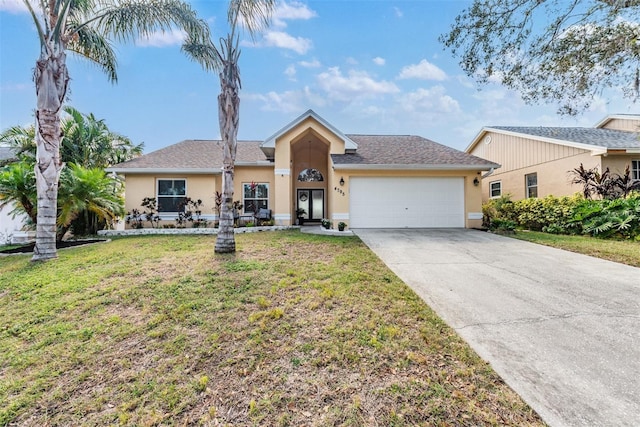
622	251
293	329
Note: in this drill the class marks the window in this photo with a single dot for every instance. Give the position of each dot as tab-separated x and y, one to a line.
635	169
255	196
531	184
171	193
495	189
310	175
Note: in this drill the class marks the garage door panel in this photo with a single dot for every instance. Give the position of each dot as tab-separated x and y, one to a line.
406	202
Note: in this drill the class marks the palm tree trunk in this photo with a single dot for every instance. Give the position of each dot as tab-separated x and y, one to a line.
228	116
51	78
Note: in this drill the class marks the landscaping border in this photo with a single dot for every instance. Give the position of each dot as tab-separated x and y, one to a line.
174	231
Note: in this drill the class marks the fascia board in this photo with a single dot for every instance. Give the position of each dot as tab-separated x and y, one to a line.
607	119
166	171
477	139
595	149
271	141
417	167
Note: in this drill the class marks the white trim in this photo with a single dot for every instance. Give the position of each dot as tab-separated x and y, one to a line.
491	196
165	195
271	141
244	203
286	172
610	117
340	216
474	215
596	150
282	217
172	171
416	167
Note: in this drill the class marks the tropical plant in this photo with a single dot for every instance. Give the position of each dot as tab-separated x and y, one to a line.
254	15
85	27
86	141
87	194
584	46
22	140
610	218
136	217
87	191
18	186
605	185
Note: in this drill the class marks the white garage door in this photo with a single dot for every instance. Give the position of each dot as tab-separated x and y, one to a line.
406	202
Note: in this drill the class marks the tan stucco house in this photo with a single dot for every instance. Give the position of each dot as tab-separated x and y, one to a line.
362	180
535	161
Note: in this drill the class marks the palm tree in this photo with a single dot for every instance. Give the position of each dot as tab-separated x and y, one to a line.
88	142
84	27
254	15
87	191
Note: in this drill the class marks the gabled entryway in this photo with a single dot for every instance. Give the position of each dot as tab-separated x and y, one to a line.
301	152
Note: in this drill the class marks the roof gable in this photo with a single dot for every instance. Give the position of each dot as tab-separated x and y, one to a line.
270	143
596	140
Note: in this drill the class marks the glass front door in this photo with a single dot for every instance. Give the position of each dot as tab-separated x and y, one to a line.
312	201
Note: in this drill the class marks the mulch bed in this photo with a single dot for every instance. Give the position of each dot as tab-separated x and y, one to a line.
60	245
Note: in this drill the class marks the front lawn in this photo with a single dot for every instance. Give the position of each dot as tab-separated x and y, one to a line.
623	251
293	329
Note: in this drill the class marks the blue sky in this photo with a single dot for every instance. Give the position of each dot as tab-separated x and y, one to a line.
367	66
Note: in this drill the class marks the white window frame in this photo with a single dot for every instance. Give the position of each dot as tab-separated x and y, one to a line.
159	196
528	187
635	169
499	183
244	199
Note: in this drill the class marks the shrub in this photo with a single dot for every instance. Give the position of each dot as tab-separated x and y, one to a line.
619	218
551	214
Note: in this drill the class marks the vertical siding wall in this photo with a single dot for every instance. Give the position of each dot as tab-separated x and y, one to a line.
519	156
629	125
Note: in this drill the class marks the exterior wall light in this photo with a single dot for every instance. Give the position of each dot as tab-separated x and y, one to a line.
476	181
342	181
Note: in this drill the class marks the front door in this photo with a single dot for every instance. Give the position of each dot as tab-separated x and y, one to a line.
312	201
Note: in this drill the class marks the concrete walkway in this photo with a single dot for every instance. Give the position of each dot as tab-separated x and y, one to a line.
562	329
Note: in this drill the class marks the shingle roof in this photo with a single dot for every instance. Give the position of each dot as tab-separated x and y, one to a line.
405	150
598	137
394	150
194	154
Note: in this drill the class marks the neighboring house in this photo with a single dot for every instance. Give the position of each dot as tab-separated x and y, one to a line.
9	226
362	180
536	161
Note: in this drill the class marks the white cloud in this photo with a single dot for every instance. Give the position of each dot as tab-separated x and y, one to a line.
351	61
291	11
398	12
424	71
283	40
162	38
291	72
357	84
310	64
379	61
292	101
433	101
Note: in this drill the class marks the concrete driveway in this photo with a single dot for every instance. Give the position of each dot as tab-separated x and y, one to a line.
562	329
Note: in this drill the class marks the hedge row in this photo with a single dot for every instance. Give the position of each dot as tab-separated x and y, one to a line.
618	218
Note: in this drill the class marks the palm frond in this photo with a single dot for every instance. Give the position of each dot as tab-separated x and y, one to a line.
204	53
127	20
92	45
253	15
